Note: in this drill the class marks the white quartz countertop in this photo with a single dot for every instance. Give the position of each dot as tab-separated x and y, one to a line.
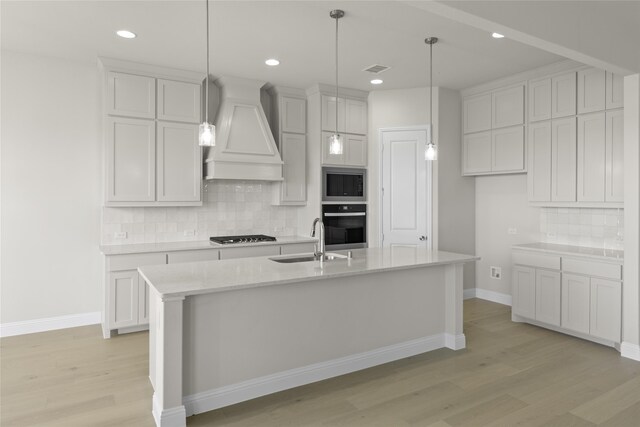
194	245
585	251
187	279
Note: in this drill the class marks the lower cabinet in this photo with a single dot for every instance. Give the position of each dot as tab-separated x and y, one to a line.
575	303
524	291
536	294
128	298
606	309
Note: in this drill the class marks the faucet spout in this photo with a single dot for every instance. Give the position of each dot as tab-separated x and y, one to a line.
319	252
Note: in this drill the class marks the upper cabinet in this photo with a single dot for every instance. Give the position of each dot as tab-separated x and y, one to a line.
591	90
507	107
352	115
131	95
477	113
563	95
356	116
178	101
540	99
614	91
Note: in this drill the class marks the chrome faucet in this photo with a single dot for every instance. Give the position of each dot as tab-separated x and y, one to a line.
319	252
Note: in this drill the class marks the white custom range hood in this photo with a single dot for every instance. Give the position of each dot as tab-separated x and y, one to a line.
245	148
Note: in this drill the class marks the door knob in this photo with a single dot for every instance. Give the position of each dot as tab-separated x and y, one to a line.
422	238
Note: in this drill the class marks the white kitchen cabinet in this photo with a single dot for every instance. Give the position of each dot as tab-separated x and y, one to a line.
477	153
524	291
143	302
179	163
563	95
591	90
576	302
539	170
124	296
130	158
507	107
293	189
477	113
292	114
178	101
356	116
328	114
507	149
614	191
355	150
591	157
614	91
249	252
548	294
563	160
605	313
131	95
540	99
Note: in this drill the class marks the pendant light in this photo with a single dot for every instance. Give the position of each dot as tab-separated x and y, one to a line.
207	131
431	150
335	142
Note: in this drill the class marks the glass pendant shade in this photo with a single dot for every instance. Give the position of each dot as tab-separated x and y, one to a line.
431	152
335	144
207	135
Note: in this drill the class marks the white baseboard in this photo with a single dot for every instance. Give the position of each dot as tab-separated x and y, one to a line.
484	294
172	417
235	393
630	351
49	324
455	342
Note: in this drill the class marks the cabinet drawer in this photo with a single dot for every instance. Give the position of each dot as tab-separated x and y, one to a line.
297	248
592	268
133	261
193	256
551	262
249	252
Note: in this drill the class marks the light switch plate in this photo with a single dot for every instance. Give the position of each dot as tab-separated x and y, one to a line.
189	233
496	272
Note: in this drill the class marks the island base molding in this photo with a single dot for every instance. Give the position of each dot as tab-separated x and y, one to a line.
172	417
246	390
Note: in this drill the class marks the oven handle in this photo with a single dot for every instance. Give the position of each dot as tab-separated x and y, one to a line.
346	214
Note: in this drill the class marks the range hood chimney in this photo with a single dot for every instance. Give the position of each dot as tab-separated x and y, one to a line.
245	148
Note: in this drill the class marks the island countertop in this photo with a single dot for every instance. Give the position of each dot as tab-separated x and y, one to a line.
187	279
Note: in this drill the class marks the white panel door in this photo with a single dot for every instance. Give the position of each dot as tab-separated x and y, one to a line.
614	91
507	107
477	113
563	160
576	302
563	95
477	153
327	157
179	163
539	100
507	149
293	149
548	296
179	101
591	90
591	157
328	113
405	183
606	309
293	116
131	95
614	191
123	298
356	116
539	170
524	292
355	150
131	160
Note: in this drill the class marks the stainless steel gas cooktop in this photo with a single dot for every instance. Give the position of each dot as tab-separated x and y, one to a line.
248	238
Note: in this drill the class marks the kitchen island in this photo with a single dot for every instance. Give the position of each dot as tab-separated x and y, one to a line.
222	332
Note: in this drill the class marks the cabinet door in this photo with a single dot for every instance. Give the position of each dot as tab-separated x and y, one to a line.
131	95
123	298
539	170
575	302
539	100
614	91
477	113
178	101
355	149
179	163
356	116
591	90
293	150
563	95
477	153
548	296
507	107
563	160
524	292
327	157
131	160
143	302
293	115
614	191
606	309
591	157
507	149
329	113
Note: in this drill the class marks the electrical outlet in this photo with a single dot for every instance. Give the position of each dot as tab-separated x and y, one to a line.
551	235
120	235
189	233
513	231
496	272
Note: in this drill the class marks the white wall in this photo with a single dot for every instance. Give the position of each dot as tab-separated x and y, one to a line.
50	188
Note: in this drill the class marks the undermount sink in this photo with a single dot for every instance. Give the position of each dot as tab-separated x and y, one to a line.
307	258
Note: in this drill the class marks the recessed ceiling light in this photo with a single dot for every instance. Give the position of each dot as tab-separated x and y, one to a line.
376	82
126	34
272	62
497	36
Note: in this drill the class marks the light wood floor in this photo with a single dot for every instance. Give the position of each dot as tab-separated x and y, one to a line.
510	375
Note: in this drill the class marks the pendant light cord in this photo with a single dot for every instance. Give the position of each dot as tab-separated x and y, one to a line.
431	90
337	18
206	81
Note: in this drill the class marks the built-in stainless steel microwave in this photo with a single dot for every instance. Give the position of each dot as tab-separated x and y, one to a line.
344	185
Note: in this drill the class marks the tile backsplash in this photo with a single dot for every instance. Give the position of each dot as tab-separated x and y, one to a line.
601	228
229	207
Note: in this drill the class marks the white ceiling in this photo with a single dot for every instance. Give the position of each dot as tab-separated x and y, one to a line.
245	33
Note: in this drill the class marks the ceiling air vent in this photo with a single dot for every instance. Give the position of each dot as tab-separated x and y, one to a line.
376	69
